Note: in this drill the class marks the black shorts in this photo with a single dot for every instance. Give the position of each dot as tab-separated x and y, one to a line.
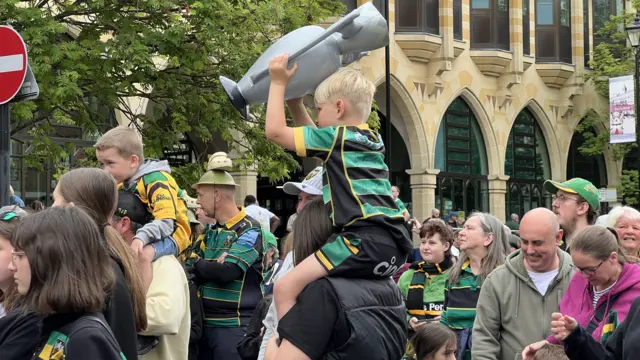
362	252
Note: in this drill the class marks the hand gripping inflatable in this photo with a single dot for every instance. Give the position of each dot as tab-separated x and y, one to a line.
318	54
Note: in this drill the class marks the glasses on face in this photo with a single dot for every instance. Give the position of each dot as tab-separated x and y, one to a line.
592	270
562	198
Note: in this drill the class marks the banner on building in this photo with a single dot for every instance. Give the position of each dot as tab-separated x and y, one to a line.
622	120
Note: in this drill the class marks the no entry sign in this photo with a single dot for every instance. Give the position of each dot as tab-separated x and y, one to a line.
13	63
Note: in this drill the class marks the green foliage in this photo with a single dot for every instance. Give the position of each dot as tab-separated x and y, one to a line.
169	53
188	175
374	119
628	187
611	58
596	142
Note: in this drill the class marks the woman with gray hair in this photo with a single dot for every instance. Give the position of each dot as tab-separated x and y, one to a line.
482	249
626	221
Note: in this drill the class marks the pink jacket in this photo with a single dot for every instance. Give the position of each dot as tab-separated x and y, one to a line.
577	301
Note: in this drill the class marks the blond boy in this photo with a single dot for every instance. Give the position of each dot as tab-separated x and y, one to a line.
119	151
370	239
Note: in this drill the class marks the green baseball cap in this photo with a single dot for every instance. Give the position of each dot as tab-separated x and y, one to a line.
578	186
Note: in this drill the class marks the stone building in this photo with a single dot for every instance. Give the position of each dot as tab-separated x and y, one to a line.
485	99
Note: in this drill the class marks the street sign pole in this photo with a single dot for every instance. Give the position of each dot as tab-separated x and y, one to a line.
5	153
16	86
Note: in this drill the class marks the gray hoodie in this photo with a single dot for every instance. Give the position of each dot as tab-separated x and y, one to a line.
155	230
511	313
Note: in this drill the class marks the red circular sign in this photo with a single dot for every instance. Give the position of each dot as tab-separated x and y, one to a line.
13	63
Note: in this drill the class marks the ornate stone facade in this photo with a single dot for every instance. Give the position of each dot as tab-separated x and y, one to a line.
497	85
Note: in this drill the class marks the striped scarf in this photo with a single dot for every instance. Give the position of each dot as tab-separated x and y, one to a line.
610	325
423	271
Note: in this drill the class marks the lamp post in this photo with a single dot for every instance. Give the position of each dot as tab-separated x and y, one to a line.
633	32
387	95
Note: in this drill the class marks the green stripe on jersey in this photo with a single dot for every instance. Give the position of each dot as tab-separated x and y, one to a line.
371	186
153	177
226	322
371	160
461	299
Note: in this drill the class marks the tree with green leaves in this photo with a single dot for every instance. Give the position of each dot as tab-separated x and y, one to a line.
611	58
88	56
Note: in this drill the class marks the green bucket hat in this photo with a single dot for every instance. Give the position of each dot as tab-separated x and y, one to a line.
579	186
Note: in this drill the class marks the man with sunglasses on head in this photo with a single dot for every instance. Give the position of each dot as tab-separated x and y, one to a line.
576	204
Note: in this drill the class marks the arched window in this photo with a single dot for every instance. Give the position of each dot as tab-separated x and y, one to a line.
490	24
590	168
553	31
462	160
527	164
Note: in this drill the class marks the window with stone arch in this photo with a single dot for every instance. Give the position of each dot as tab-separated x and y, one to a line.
527	165
461	158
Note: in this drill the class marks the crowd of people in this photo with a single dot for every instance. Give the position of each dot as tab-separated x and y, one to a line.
127	265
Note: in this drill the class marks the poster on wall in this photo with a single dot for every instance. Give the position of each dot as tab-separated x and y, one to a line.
622	124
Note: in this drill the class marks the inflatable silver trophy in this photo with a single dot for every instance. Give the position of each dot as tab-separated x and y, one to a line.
319	53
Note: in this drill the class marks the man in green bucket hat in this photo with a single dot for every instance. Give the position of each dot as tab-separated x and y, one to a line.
229	263
575	203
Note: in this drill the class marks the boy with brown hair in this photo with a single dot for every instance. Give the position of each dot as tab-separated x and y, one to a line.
119	151
370	239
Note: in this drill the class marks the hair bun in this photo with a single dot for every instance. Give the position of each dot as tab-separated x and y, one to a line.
220	161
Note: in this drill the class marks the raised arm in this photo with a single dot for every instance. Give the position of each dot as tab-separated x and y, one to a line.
299	113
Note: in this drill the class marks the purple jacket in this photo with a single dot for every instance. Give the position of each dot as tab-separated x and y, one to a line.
577	301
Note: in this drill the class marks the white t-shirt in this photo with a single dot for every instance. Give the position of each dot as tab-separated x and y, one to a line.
292	218
261	214
543	280
3	312
455	252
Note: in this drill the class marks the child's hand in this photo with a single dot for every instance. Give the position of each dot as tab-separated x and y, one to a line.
562	325
415	325
222	257
530	351
278	69
136	246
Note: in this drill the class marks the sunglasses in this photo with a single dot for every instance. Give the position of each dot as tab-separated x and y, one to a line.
8	216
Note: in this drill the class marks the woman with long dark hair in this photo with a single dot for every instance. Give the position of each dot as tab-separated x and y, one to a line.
95	192
62	270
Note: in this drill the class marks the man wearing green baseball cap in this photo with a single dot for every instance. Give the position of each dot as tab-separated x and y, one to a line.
575	203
